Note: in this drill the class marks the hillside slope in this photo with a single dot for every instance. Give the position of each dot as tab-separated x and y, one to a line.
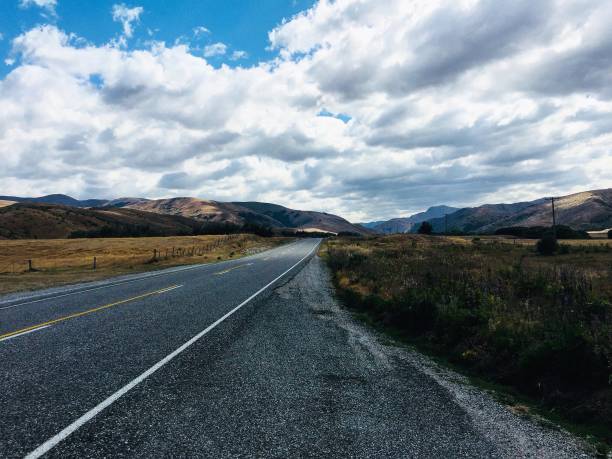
4	203
49	221
302	219
588	210
240	213
60	199
407	224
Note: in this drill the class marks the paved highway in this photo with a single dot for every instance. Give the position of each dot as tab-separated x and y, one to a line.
250	357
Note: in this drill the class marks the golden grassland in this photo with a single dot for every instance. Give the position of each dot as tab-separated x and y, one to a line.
63	261
528	242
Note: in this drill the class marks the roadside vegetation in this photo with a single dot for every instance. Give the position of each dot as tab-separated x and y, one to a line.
63	261
541	325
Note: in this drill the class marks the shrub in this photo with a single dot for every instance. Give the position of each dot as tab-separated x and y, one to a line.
537	232
535	324
548	245
425	228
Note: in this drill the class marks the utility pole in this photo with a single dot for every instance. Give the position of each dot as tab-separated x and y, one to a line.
552	201
446	224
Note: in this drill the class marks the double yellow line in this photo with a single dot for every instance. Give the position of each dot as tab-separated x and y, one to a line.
84	313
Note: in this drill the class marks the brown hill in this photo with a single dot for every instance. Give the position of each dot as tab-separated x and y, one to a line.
588	210
4	203
240	213
49	221
59	199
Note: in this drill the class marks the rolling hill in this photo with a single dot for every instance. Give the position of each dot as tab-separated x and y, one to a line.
60	199
26	220
257	213
588	210
4	203
31	218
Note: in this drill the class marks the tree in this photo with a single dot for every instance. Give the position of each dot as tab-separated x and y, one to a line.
425	228
610	234
548	245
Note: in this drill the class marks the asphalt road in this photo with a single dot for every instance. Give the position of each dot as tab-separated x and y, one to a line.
245	358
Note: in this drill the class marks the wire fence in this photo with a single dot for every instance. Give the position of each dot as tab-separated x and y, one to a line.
94	261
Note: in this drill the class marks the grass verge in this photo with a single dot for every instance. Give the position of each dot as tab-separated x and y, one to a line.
64	261
538	329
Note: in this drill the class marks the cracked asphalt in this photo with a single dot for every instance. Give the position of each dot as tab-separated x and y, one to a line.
289	374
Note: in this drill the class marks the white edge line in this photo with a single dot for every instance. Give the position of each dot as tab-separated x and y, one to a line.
53	441
170	270
24	333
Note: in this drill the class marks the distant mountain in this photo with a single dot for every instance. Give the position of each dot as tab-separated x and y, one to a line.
30	220
588	210
371	225
60	199
240	213
408	224
237	213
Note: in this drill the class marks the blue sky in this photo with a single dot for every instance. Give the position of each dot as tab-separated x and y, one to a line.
242	25
369	109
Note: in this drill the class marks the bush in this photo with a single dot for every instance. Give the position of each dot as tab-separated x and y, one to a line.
537	232
516	318
548	245
425	228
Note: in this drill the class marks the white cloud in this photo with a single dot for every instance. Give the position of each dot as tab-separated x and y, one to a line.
216	49
48	5
239	54
451	102
39	3
127	16
200	30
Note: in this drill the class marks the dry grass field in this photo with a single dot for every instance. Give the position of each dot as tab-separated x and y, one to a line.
529	242
64	261
539	324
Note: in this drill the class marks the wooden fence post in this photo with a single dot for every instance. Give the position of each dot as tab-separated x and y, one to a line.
94	264
30	266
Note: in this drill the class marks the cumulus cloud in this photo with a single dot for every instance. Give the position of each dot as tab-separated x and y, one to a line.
200	30
239	54
127	16
47	6
368	109
216	49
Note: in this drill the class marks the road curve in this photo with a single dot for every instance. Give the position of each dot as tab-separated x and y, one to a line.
250	357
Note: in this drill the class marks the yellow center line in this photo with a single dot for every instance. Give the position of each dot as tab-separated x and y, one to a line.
231	269
83	313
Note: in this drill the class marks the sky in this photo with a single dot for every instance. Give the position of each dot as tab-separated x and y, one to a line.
362	108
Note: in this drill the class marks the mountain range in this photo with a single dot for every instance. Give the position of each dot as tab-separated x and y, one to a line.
59	216
409	224
588	210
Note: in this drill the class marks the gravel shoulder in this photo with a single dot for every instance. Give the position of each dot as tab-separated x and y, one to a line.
294	375
498	432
